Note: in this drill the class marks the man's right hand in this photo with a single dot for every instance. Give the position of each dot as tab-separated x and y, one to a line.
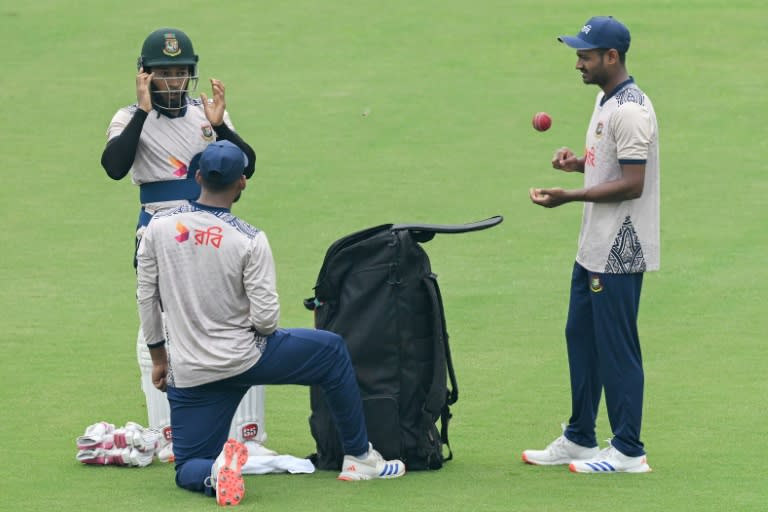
565	160
143	92
160	376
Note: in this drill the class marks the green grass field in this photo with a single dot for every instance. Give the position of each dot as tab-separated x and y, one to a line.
449	88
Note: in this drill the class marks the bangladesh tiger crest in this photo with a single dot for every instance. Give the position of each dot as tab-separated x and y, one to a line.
207	132
595	284
171	47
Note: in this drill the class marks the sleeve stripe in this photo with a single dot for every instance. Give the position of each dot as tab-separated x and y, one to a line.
627	161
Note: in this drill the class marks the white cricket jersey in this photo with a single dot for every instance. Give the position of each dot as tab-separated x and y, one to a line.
167	144
621	237
215	277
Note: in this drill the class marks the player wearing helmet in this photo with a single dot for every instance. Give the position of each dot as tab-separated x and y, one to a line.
169	57
156	139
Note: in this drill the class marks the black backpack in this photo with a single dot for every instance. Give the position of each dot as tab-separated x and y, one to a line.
377	290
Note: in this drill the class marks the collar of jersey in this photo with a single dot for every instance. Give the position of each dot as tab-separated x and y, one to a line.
212	209
616	90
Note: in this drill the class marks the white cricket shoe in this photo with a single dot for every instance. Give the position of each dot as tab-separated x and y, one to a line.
611	460
370	466
226	473
560	451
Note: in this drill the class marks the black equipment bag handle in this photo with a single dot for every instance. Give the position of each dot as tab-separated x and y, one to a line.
419	232
426	232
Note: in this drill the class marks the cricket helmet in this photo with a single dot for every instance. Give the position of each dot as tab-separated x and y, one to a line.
169	47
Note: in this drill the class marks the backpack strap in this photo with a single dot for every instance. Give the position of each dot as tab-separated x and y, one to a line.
437	404
426	232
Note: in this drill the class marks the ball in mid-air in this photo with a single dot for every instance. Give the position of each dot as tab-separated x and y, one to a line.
542	121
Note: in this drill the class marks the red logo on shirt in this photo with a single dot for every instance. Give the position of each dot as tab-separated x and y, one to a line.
590	158
211	236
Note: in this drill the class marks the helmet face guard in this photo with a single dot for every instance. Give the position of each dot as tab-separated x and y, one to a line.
169	47
170	93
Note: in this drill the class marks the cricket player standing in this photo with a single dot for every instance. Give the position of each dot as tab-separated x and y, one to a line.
619	242
156	139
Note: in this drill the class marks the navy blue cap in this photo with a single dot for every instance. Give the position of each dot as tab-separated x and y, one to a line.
603	32
222	162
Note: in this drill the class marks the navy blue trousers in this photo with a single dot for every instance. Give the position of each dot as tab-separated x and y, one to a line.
201	415
604	355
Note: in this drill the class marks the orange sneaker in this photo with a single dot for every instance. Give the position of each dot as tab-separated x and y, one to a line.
226	473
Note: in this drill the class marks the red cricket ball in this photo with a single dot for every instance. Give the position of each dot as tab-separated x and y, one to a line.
542	121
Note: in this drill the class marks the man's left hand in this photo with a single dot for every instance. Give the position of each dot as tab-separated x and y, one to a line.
214	107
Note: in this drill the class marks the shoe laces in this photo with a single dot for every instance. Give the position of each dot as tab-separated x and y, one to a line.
558	445
374	456
606	452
